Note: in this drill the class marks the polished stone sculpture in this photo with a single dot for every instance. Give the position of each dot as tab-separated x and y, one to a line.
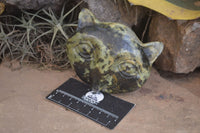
109	56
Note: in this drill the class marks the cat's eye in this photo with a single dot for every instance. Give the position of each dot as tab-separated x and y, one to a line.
127	70
85	51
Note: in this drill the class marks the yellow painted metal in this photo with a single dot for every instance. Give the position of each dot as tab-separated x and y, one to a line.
177	9
2	7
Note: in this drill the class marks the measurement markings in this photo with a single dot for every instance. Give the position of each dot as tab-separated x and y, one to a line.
78	111
105	113
91	105
78	100
108	123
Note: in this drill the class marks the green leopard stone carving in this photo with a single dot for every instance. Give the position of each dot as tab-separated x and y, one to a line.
109	56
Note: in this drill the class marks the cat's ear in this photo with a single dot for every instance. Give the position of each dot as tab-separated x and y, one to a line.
86	18
153	50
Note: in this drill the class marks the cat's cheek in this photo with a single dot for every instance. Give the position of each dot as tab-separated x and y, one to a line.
82	70
74	57
126	84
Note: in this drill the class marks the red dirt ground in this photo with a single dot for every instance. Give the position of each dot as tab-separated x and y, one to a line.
163	105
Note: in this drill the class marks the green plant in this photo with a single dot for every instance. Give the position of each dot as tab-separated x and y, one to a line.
6	42
38	37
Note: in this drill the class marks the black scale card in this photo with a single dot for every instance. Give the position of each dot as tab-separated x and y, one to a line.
100	107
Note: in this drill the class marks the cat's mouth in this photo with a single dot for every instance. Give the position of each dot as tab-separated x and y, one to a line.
98	85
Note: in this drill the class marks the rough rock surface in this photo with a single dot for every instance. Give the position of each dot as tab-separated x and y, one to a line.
108	11
35	4
181	39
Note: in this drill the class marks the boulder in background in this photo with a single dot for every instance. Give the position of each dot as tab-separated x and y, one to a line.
182	43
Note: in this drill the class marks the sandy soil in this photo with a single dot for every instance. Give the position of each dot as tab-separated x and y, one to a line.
164	105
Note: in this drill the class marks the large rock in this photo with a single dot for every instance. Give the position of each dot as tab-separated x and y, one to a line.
182	43
35	4
120	12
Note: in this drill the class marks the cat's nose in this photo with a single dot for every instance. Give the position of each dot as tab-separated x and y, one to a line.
95	74
100	81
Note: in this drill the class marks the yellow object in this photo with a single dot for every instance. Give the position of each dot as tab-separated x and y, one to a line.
174	9
2	7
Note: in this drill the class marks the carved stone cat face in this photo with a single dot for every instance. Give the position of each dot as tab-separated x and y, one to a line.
109	56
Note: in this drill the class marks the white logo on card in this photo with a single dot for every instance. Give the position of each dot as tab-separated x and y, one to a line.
93	97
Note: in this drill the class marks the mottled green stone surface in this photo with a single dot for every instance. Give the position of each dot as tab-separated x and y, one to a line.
109	56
